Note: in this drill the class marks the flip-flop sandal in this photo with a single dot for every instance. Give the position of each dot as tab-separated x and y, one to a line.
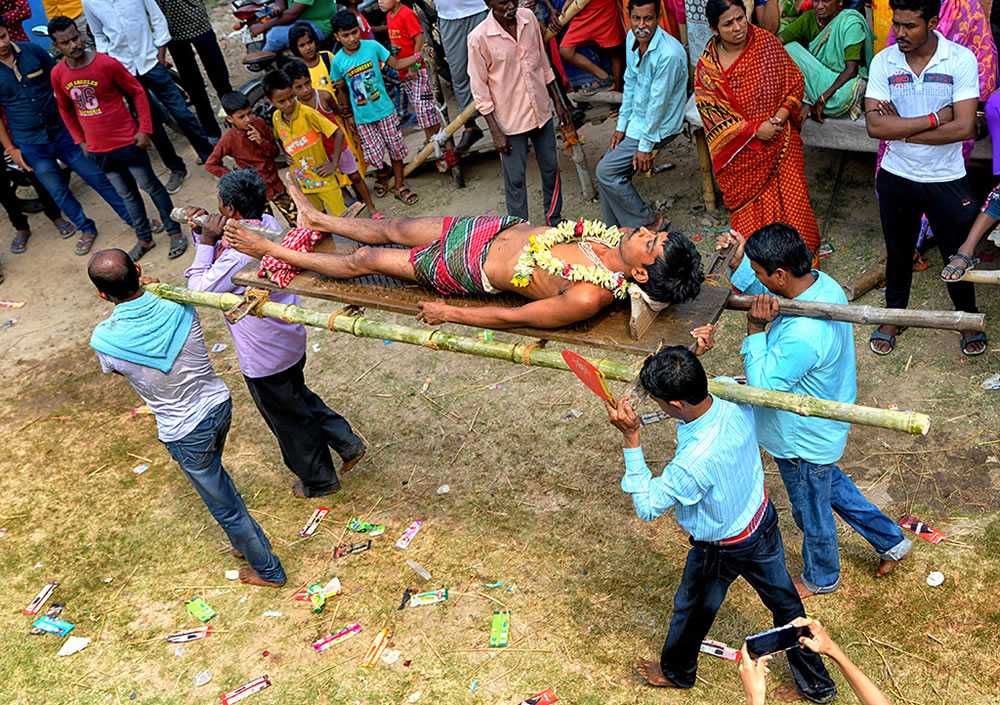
381	183
977	338
85	242
960	271
66	230
20	242
377	215
879	335
405	195
155	227
178	246
139	250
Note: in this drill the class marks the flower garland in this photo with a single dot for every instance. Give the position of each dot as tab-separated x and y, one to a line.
537	253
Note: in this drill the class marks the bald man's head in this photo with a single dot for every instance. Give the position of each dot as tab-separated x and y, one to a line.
114	274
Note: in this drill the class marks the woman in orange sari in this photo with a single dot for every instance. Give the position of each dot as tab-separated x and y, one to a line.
749	93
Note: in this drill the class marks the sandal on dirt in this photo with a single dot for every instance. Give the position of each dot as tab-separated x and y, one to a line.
381	183
954	269
20	242
879	335
66	230
85	242
977	338
178	246
404	194
377	215
155	226
140	249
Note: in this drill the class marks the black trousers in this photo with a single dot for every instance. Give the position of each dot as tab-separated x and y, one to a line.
182	52
12	204
951	208
304	426
708	573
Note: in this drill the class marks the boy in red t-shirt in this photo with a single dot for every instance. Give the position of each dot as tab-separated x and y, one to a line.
406	33
90	89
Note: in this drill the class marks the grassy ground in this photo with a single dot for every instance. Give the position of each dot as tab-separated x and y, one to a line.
534	502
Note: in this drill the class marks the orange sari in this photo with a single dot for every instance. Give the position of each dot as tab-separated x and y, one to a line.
761	182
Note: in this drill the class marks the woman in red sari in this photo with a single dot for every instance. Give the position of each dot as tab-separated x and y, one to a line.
749	93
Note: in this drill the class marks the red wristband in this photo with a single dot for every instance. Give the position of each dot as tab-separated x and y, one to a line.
934	122
11	148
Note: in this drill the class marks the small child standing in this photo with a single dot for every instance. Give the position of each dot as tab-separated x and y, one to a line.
406	33
250	143
313	143
358	65
323	102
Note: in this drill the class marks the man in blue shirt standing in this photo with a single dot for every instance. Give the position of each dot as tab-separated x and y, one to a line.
715	484
651	115
37	137
813	357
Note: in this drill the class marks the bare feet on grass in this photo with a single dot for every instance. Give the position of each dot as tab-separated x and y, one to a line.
787	693
801	588
652	673
352	462
249	576
886	566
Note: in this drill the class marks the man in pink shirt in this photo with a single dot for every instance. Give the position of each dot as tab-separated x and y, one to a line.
512	84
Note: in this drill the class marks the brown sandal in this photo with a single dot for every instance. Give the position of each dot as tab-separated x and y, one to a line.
381	182
404	194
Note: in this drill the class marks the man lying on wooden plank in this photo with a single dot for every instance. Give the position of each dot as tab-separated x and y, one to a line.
570	273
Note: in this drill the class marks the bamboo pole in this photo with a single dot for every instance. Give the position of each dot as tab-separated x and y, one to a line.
522	353
865	282
947	320
990	276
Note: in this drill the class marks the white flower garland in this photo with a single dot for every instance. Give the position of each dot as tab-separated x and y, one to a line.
537	253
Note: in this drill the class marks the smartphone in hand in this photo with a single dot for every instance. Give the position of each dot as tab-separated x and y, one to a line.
775	640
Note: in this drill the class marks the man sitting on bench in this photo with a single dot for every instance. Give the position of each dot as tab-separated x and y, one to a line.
569	273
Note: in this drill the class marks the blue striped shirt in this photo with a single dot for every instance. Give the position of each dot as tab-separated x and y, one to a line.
715	482
801	356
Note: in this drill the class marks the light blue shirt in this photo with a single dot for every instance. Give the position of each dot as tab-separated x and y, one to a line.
801	356
715	482
655	90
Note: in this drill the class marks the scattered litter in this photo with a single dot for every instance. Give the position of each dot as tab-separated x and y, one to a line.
415	697
11	304
494	585
500	629
408	535
911	523
390	657
993	459
53	626
45	593
317	597
315	347
310	528
825	250
387	342
717	648
991	382
495	386
696	238
178	651
232	575
511	588
245	690
935	578
108	580
893	407
376	648
444	489
344	634
407	594
141	410
243	599
363	527
473	688
201	678
272	613
74	644
544	698
427	385
9	323
265	653
406	664
330	589
485	335
140	468
219	347
416	567
55	609
199	610
39	565
429	598
3	532
571	414
350	549
357	589
187	635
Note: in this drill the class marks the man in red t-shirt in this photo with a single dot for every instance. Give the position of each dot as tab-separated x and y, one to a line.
406	33
90	89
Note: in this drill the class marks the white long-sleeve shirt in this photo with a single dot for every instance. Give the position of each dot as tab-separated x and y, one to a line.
128	30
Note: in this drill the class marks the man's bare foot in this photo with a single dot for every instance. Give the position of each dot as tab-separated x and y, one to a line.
299	490
886	566
652	673
787	693
352	462
800	587
249	575
235	554
307	211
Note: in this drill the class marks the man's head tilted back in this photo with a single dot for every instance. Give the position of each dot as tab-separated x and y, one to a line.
114	274
676	274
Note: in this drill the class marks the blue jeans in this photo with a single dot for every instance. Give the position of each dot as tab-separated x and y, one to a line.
42	158
159	83
813	491
128	169
708	573
276	38
199	454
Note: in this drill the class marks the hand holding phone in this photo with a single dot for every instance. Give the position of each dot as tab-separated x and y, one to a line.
775	640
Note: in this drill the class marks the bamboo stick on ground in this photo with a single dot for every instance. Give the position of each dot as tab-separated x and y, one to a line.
519	353
865	282
947	320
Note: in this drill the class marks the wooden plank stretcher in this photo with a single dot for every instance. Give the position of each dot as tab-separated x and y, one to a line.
608	330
